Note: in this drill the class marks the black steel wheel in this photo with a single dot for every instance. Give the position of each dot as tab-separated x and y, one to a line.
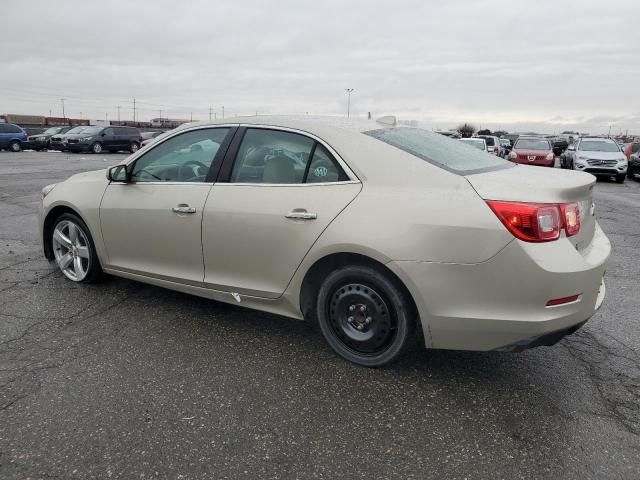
364	316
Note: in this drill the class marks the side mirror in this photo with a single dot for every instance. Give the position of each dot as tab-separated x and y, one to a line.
117	173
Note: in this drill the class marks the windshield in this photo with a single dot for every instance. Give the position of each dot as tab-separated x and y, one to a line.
77	129
598	146
91	130
474	142
444	152
51	131
532	144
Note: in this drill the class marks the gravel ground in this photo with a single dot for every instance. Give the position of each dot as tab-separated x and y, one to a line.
125	380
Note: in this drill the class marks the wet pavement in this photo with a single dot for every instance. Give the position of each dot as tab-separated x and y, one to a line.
126	380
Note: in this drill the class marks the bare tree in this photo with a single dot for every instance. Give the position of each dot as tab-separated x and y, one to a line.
466	130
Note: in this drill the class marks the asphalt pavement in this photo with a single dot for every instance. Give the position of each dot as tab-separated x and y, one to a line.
126	380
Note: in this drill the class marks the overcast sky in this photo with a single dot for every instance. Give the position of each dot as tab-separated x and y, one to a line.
546	65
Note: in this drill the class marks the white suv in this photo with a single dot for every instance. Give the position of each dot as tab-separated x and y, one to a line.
599	156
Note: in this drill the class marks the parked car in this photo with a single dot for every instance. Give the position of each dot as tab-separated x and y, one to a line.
634	165
42	140
559	145
533	151
12	137
149	137
505	143
59	140
493	144
264	212
479	143
631	148
599	156
98	139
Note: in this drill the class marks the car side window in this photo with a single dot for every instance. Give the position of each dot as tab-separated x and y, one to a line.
275	156
271	156
324	168
3	128
109	131
184	158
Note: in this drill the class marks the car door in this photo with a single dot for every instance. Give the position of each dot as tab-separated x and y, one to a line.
277	192
4	136
151	222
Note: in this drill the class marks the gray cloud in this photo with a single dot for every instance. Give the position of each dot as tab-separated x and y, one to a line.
551	65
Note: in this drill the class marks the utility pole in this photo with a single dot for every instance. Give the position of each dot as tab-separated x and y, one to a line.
62	100
223	111
348	90
49	112
191	117
609	134
210	110
134	109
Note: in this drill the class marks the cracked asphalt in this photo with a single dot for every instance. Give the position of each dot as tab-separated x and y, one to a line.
126	380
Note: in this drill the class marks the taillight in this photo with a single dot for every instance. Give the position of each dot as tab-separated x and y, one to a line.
571	217
537	222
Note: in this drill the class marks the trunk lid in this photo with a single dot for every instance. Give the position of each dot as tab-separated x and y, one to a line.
524	183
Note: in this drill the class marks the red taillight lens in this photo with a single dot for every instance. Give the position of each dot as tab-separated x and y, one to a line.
532	222
571	218
537	222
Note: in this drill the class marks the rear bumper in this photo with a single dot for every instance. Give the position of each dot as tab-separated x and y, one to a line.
500	304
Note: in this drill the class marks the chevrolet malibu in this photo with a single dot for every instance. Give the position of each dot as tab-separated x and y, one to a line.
382	234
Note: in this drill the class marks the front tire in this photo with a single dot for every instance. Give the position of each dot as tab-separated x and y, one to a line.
364	316
621	178
96	147
73	249
134	147
15	146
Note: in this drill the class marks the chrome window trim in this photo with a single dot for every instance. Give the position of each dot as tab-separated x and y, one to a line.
162	183
352	176
317	184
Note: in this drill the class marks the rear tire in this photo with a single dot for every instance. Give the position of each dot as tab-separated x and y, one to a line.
15	146
621	178
96	148
134	147
364	316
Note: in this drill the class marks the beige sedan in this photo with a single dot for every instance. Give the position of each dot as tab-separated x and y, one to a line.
382	234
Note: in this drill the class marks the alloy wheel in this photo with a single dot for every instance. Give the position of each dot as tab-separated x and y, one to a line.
71	250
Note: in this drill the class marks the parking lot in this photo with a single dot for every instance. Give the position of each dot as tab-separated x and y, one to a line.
126	380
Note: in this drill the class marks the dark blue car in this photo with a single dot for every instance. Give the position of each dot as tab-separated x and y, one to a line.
12	137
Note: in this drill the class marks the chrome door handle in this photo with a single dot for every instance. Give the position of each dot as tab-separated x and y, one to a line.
183	209
300	214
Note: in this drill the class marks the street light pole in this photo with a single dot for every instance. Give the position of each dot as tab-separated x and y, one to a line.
348	90
62	100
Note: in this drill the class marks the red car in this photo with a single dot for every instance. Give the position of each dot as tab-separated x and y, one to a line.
533	151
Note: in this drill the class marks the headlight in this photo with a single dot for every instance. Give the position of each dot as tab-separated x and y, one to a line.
47	190
85	139
623	160
581	157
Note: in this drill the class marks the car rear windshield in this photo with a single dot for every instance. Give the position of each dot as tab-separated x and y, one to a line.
598	146
531	144
490	141
444	152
